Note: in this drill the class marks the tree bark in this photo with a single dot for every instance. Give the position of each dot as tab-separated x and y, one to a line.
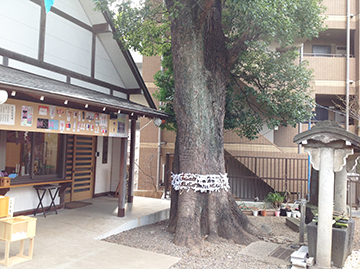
200	74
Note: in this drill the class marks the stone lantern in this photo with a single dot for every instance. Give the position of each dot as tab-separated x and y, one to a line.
329	146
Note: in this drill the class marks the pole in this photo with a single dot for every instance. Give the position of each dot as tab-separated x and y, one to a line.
309	166
347	62
301	59
302	220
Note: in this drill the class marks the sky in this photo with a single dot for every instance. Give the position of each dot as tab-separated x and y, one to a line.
137	57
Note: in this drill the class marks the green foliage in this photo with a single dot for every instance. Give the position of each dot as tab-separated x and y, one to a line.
272	20
164	80
144	28
265	87
275	198
275	91
243	206
239	117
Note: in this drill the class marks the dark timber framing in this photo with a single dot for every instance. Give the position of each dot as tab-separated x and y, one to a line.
64	15
93	51
131	63
63	71
96	29
42	33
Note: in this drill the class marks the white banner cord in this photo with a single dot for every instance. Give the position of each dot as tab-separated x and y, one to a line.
201	183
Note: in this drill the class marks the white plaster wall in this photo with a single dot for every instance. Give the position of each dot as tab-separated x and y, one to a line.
118	60
139	98
19	26
73	8
116	150
26	198
90	86
103	171
36	70
104	67
67	45
120	94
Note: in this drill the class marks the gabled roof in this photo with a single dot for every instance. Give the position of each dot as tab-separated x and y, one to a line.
81	14
105	31
326	132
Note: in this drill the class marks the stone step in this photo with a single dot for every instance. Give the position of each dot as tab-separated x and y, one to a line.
293	223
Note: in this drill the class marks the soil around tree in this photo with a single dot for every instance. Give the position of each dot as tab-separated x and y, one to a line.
225	254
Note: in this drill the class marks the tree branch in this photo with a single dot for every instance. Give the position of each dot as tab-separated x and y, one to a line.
252	105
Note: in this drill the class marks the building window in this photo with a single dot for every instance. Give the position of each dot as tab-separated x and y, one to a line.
321	50
321	114
341	51
32	154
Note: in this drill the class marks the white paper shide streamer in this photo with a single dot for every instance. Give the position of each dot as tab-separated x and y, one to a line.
201	183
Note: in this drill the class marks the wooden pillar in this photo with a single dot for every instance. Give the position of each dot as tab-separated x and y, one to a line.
2	149
122	178
132	160
63	187
167	174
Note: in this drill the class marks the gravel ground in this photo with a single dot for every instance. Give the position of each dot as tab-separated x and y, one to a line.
155	238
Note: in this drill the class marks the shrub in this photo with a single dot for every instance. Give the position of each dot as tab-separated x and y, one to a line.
275	198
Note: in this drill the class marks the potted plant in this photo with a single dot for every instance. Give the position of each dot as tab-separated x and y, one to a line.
277	213
248	209
276	199
288	211
263	210
243	207
255	211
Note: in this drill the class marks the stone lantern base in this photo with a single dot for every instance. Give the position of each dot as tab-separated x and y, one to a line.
342	240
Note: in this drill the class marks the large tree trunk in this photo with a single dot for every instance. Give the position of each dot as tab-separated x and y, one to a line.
200	73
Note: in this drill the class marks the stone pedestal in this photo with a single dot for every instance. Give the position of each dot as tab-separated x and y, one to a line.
341	247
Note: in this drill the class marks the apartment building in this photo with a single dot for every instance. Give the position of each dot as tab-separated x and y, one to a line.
273	158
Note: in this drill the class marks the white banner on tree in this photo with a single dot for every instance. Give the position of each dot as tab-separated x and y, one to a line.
201	183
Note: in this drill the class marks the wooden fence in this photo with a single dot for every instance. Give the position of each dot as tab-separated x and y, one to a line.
252	177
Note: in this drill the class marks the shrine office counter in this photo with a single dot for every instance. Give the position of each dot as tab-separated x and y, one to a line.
26	198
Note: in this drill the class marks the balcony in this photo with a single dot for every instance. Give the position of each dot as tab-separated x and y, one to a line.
330	66
336	12
338	7
330	73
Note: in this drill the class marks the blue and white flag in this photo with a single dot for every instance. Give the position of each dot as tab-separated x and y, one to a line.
48	5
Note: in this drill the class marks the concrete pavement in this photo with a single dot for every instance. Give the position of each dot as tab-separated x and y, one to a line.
71	238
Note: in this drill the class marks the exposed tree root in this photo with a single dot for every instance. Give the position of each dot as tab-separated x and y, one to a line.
214	217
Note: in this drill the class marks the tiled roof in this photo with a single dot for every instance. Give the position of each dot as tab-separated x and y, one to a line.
10	77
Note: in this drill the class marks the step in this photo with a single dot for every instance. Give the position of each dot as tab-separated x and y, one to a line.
137	222
294	223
